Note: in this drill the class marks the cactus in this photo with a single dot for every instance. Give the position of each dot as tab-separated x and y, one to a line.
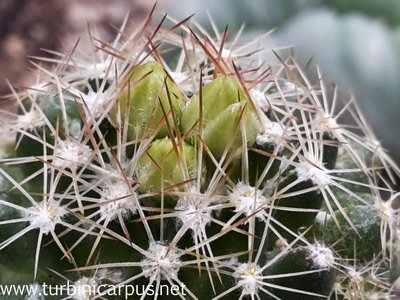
172	164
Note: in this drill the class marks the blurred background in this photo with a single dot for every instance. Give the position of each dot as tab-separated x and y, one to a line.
355	43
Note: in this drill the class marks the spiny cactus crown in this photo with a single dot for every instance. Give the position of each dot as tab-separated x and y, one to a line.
172	157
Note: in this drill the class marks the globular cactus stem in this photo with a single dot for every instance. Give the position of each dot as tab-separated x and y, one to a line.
188	167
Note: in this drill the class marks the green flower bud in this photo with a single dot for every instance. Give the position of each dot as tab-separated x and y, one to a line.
150	91
163	165
224	107
225	131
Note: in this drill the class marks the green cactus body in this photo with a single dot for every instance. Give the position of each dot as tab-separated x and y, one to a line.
196	178
350	243
309	272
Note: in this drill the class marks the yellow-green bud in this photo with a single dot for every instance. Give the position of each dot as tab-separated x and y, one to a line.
225	131
224	107
149	85
164	165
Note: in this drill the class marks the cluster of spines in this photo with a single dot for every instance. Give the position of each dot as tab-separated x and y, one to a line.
146	195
